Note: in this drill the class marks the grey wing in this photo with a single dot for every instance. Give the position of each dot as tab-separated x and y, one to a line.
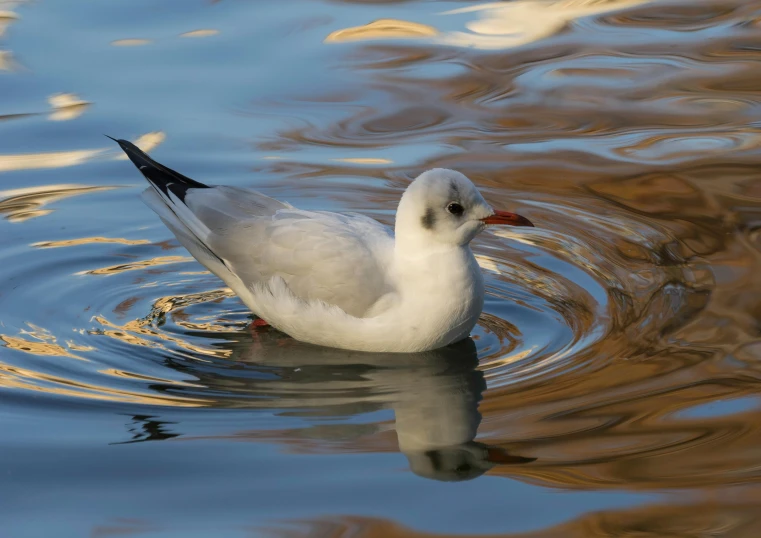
245	237
335	258
198	215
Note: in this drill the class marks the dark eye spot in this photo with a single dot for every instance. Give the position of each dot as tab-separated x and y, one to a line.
455	209
435	458
429	219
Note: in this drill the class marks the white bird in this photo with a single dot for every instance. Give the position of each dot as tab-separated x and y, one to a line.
332	279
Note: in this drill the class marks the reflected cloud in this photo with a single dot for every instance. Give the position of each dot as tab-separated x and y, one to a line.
62	159
499	25
56	159
66	106
6	61
504	25
130	42
382	29
19	205
6	17
201	33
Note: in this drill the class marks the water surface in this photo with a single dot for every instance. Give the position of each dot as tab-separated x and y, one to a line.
611	387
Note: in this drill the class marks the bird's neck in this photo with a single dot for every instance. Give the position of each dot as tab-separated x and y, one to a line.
415	244
435	269
441	292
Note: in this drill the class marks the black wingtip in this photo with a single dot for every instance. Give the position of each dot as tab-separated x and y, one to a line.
163	178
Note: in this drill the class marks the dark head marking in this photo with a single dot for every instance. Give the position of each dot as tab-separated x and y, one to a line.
454	192
435	458
429	219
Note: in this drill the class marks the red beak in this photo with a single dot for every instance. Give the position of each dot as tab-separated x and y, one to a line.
503	217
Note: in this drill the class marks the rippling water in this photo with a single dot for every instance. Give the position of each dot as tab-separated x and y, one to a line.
612	385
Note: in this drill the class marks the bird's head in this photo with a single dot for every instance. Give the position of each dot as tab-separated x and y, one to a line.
443	206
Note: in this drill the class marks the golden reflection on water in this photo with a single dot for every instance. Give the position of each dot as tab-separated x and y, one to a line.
6	61
382	29
207	32
130	42
499	25
37	348
66	106
62	159
503	25
143	332
19	205
27	379
45	345
134	266
90	241
55	159
7	17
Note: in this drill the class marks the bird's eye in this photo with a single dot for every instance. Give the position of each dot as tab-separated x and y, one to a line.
455	209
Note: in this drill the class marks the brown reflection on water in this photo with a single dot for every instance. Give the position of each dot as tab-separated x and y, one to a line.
690	519
637	154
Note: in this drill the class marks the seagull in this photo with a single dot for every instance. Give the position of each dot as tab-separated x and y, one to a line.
340	280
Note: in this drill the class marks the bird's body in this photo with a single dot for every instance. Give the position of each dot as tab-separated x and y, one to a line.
338	280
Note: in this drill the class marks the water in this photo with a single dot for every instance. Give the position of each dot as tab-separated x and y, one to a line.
612	385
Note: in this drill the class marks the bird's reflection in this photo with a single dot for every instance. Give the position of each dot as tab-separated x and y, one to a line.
434	396
147	428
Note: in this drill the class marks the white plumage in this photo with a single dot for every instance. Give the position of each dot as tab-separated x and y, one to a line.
338	280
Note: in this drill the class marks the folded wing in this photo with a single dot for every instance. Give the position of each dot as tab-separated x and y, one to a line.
246	238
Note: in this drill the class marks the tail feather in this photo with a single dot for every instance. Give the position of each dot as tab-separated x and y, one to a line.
162	178
168	200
